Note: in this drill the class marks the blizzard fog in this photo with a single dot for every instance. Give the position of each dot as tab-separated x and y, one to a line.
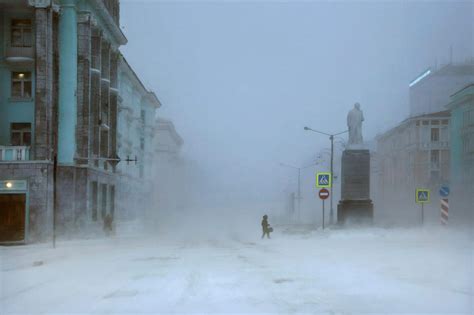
240	80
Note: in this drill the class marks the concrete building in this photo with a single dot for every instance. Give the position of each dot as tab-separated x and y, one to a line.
137	136
58	97
430	91
414	154
461	198
169	184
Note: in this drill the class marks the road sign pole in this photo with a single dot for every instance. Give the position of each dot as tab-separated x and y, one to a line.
422	213
331	213
323	214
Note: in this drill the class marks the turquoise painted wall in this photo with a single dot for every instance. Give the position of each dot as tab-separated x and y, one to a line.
461	103
10	110
67	82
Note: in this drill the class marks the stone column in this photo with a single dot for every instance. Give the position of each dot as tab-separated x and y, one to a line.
105	102
44	83
83	86
113	102
94	129
67	111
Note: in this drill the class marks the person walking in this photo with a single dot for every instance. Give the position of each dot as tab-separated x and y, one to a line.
266	227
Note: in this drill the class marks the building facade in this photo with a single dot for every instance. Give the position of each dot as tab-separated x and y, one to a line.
58	100
137	133
461	199
414	154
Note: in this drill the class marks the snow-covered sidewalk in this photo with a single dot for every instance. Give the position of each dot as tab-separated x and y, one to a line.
336	271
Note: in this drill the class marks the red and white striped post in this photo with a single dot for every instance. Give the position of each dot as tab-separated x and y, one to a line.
444	211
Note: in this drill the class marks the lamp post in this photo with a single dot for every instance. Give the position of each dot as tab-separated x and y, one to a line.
331	138
299	183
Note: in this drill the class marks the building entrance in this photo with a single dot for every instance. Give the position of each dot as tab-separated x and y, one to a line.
12	217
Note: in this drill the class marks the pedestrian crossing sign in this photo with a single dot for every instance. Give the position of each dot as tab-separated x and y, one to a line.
323	180
422	195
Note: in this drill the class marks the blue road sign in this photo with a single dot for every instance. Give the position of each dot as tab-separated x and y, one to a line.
444	191
422	195
323	180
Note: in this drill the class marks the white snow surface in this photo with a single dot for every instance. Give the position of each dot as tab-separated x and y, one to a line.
358	271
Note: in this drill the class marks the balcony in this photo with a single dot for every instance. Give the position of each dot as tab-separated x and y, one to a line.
14	153
434	145
18	55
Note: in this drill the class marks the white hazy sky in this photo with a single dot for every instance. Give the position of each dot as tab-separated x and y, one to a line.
241	79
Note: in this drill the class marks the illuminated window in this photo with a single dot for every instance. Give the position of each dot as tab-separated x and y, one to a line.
21	34
21	85
20	134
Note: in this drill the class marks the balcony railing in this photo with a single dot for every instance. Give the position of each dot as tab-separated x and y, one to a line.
434	145
14	153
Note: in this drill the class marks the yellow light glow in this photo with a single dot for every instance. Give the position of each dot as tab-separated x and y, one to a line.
21	75
9	184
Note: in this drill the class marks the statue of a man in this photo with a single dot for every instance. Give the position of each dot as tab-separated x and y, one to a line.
354	123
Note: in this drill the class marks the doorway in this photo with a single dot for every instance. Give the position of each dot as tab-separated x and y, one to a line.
12	217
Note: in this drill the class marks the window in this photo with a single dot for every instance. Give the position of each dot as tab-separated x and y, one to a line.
444	121
468	118
435	159
142	144
426	122
21	84
435	122
94	197
21	34
112	201
142	116
434	134
103	200
20	134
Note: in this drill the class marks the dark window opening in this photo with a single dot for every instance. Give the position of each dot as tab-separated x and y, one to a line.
94	196
20	134
434	134
21	33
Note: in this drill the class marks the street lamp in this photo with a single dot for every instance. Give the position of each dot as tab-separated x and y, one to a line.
299	182
331	138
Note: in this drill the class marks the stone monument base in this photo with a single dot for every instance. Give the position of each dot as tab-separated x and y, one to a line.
355	212
355	206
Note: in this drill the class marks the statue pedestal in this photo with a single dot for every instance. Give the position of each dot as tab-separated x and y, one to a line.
355	206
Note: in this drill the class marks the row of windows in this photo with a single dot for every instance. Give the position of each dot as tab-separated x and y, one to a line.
468	118
432	122
468	143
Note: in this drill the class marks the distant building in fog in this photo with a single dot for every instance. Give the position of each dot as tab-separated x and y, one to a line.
168	177
461	198
412	155
416	153
431	90
136	137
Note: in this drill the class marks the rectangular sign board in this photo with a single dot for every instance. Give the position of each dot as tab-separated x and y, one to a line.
422	195
323	180
16	185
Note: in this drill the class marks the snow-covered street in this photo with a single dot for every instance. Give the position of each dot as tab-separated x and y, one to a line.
336	271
